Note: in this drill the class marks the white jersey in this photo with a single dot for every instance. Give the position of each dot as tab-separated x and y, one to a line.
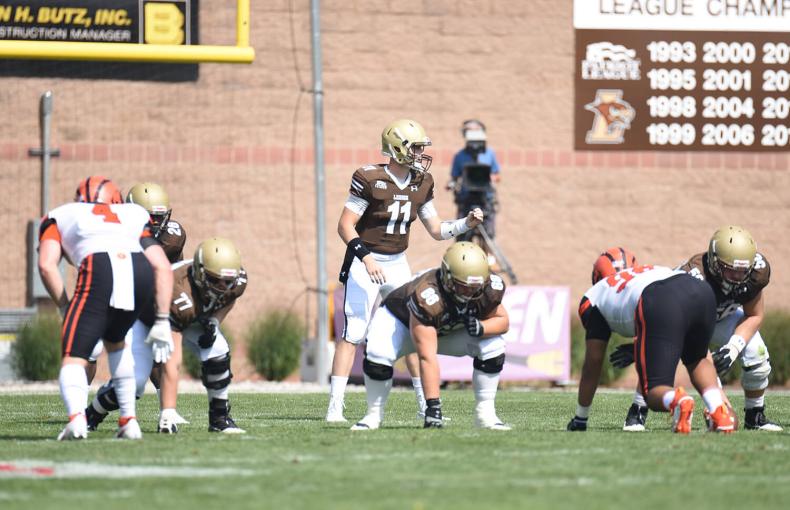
617	296
86	228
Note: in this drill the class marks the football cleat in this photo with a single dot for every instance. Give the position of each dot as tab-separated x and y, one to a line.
682	411
334	413
77	428
577	424
94	418
721	420
219	419
128	428
635	419
368	422
755	419
487	419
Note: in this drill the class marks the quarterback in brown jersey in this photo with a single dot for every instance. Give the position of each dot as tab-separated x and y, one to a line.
737	273
384	200
204	291
454	310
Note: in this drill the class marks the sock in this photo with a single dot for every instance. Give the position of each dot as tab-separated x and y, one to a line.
752	402
122	369
337	386
376	393
73	388
220	394
639	399
485	386
668	398
582	411
712	399
418	393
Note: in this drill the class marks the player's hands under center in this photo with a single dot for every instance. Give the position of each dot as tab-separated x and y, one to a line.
474	218
374	270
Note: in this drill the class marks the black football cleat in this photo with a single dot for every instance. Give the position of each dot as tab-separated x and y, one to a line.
94	417
635	419
755	419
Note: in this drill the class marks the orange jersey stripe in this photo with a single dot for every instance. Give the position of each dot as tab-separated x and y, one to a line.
67	319
51	233
83	299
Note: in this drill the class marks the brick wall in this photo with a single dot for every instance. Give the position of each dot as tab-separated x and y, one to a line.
223	147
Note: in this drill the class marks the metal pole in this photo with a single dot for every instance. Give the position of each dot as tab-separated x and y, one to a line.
45	113
322	354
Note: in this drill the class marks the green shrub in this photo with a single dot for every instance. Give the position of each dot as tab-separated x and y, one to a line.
775	331
191	362
274	344
609	374
35	355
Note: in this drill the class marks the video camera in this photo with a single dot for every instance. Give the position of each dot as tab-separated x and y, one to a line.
476	189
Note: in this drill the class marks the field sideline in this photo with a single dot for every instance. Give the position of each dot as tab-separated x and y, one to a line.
291	459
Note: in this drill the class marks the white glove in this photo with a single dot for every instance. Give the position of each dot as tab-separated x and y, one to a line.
726	355
161	339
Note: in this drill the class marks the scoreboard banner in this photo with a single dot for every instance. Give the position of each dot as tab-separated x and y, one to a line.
172	22
682	75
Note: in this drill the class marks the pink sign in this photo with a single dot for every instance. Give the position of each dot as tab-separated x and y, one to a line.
538	343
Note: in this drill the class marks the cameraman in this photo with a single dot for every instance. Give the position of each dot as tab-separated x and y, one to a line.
475	154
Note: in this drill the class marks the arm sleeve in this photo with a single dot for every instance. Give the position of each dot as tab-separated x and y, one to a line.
427	210
494	163
356	204
594	323
48	229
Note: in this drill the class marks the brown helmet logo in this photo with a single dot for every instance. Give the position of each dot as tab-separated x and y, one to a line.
613	116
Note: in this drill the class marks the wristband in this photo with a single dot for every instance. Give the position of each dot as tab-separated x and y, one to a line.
163	317
358	248
450	229
738	342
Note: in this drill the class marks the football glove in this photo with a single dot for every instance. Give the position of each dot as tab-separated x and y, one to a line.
622	356
210	328
473	326
577	424
160	339
726	355
433	414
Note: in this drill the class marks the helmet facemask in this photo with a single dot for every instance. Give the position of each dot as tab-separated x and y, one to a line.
217	265
159	220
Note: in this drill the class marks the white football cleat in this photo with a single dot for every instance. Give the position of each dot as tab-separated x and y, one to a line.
334	413
487	419
77	428
128	428
368	422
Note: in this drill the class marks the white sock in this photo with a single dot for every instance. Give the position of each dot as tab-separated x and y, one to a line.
668	398
74	388
712	399
419	394
752	402
582	411
337	386
639	399
222	393
376	393
485	386
122	370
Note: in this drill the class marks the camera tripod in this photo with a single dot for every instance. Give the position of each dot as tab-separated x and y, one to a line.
480	237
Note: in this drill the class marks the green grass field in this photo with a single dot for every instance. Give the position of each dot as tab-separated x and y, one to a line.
291	459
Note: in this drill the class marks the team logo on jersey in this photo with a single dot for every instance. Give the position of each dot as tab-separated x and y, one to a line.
613	116
414	187
381	185
607	61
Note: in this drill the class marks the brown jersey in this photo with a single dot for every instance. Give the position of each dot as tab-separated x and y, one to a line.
426	299
728	302
384	226
172	237
189	304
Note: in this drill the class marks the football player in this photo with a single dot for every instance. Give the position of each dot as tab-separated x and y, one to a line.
738	274
383	202
205	290
672	316
454	310
172	237
119	266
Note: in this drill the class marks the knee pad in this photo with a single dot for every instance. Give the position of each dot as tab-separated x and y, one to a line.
376	371
756	377
215	372
490	366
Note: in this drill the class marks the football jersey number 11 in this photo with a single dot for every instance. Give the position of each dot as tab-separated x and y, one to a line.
397	209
